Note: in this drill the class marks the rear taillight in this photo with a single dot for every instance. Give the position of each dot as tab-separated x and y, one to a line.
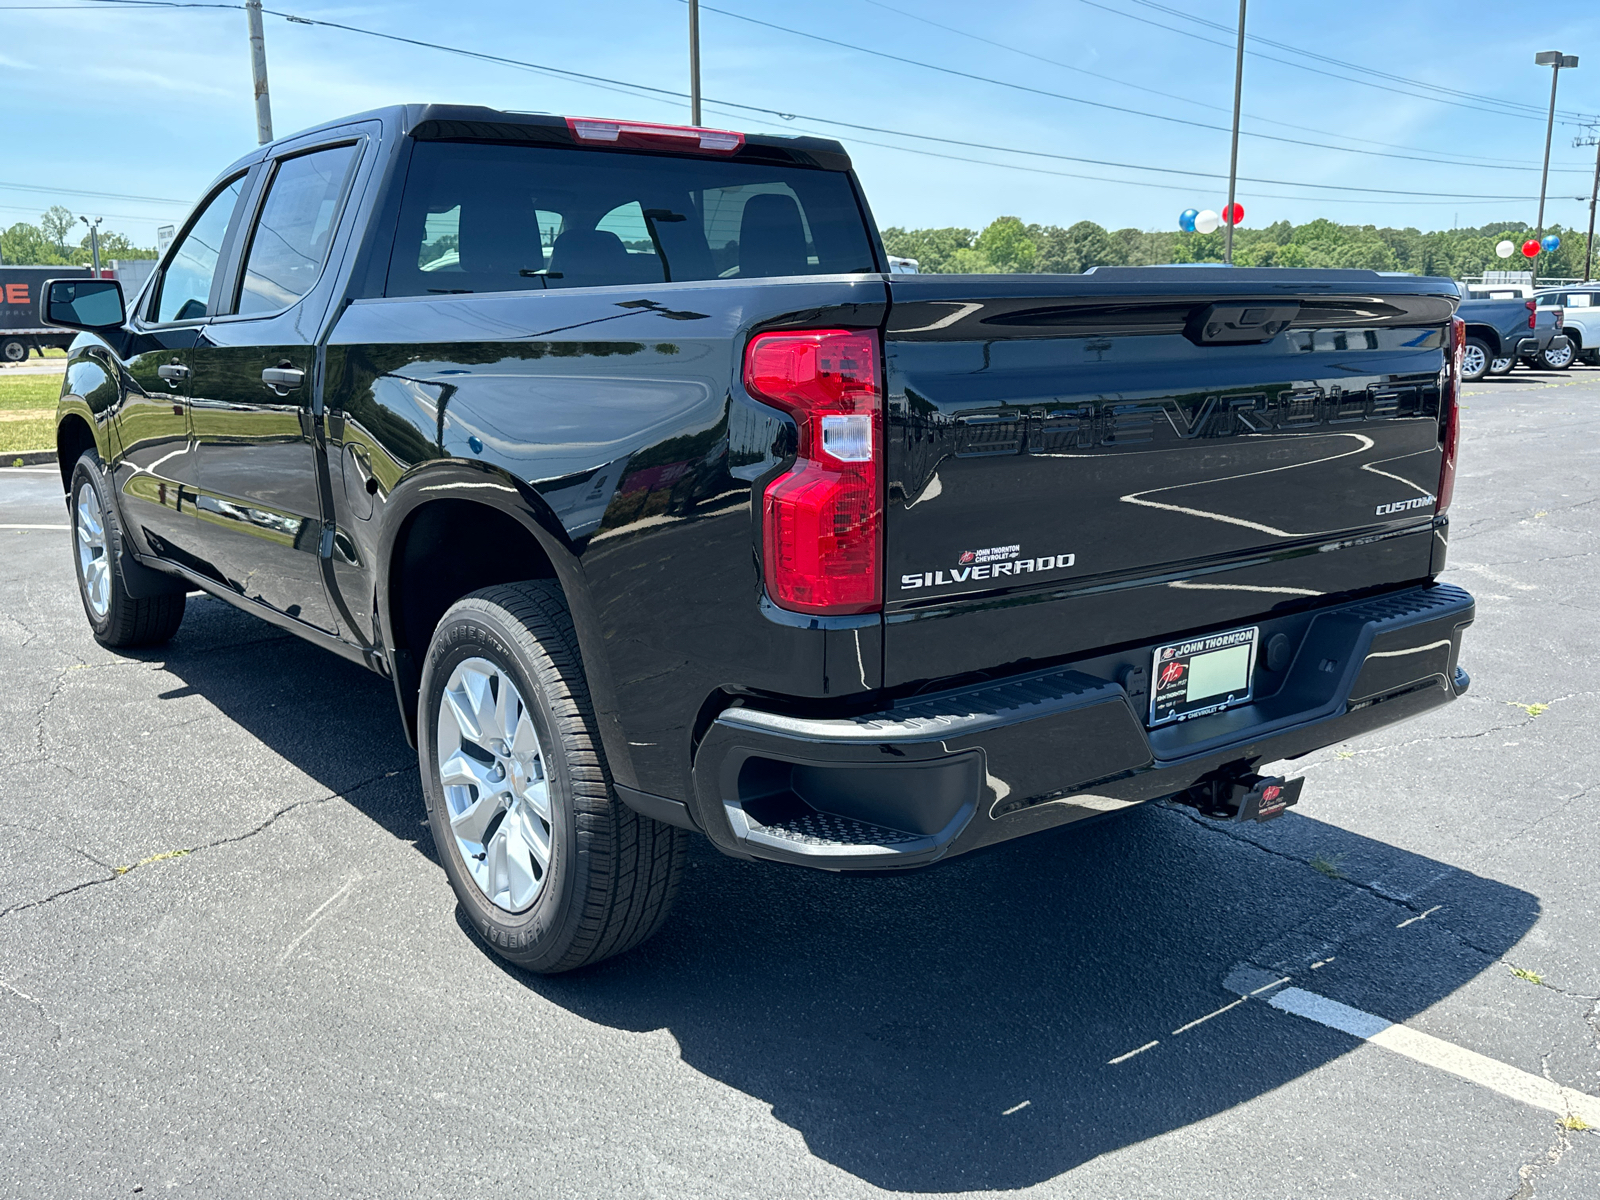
655	137
1561	317
1533	314
1449	414
822	519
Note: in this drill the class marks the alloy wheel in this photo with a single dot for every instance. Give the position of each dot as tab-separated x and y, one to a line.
94	567
492	768
1473	360
1558	358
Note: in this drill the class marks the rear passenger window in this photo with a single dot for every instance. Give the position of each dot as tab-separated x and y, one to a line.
291	238
1580	300
489	218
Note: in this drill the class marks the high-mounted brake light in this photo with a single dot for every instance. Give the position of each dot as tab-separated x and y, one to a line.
655	137
1450	414
822	519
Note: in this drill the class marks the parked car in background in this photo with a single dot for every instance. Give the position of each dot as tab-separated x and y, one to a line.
1580	322
1500	332
1497	291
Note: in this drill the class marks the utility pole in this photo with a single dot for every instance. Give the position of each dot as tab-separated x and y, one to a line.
1556	60
94	241
1233	156
1592	139
258	68
694	62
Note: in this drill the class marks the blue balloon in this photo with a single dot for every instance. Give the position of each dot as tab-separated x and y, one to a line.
1552	242
1186	219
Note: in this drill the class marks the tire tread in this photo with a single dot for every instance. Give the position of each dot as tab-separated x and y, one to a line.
635	864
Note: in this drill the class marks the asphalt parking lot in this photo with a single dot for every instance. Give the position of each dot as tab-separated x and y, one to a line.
231	965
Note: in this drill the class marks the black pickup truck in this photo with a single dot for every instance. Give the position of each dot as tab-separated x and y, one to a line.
667	508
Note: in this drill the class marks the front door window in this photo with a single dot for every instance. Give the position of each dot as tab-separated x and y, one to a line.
186	284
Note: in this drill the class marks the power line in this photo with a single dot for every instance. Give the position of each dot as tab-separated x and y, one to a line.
63	191
676	95
1466	159
1499	112
637	90
1533	109
1026	88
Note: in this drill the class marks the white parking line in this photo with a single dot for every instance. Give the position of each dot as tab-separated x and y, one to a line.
35	526
1424	1048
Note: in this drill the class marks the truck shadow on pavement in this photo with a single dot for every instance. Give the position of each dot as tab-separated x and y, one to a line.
955	1029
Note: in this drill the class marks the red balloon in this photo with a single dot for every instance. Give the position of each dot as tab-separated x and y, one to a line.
1530	248
1232	216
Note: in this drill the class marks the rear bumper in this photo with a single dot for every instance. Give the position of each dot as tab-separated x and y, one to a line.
1532	347
943	774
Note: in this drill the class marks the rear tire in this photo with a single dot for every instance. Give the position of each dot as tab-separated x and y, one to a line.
1557	360
119	620
1475	359
1502	364
551	869
13	351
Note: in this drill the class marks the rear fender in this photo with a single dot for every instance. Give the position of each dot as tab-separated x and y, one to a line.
493	487
1488	335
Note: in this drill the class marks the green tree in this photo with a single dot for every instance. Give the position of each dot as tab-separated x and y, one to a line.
56	225
1005	244
932	248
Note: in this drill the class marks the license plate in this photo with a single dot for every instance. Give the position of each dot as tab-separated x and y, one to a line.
1202	675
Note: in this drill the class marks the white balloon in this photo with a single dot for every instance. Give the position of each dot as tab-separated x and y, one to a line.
1505	249
1207	221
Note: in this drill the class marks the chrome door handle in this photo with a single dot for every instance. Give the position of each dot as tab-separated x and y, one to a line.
173	373
283	379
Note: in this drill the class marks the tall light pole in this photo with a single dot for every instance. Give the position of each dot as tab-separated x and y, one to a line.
94	241
1555	60
694	62
1233	156
258	69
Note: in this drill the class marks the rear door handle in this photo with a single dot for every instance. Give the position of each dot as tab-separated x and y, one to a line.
173	373
283	379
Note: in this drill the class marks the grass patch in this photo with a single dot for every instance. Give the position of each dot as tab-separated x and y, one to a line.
28	412
1573	1122
1526	975
1533	710
1331	867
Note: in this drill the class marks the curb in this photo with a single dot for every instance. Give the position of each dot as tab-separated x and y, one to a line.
26	458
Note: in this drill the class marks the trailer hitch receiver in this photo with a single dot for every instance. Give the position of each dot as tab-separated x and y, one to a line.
1243	797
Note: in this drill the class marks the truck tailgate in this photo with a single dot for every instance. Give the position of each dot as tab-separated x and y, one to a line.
1081	462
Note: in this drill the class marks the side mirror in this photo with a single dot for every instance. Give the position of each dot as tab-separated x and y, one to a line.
94	305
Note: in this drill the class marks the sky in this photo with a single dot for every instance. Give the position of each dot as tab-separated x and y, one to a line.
147	104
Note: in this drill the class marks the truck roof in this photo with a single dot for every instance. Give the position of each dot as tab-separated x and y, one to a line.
471	122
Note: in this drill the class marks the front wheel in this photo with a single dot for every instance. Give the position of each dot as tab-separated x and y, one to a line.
1557	360
118	619
551	869
1502	364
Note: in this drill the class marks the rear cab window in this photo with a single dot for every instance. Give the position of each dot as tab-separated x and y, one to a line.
481	217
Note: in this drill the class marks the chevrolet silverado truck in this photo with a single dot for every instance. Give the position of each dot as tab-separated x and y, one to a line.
1500	333
669	510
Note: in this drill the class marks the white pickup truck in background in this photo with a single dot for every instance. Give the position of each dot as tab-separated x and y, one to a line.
1581	324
